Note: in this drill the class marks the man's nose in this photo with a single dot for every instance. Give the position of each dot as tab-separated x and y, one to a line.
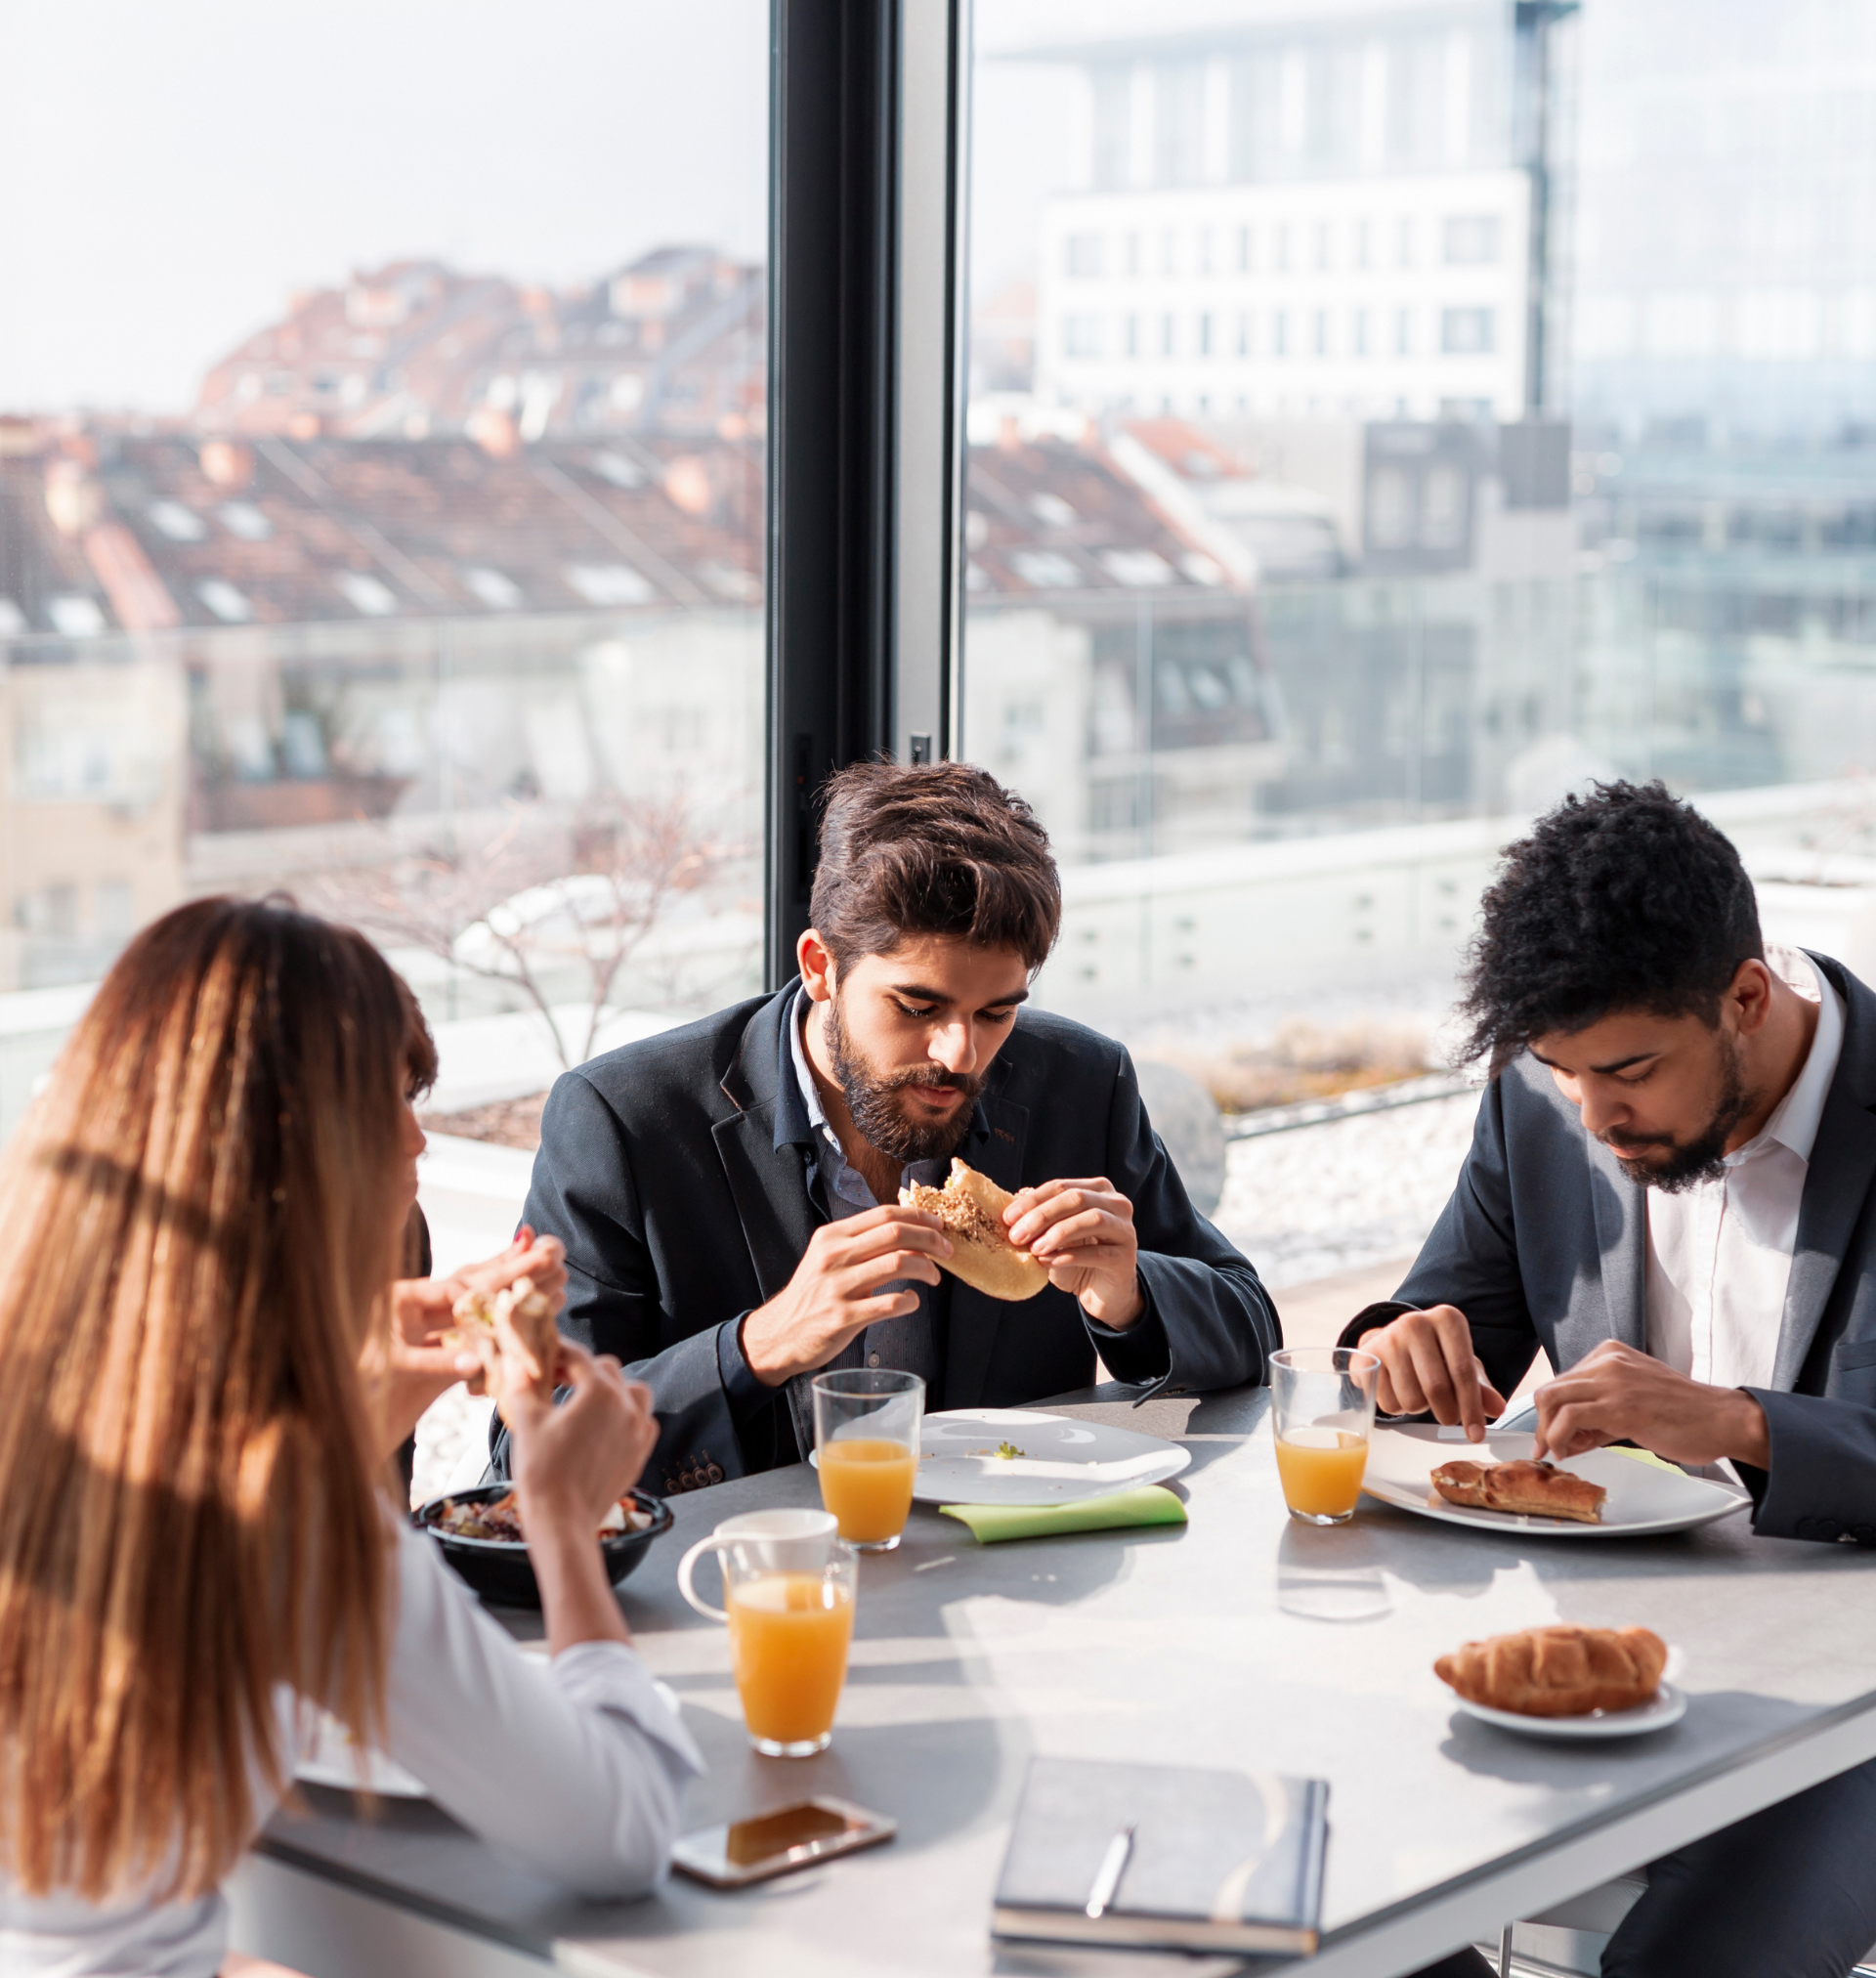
954	1046
1599	1110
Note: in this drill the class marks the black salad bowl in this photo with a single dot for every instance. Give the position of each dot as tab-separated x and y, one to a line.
503	1574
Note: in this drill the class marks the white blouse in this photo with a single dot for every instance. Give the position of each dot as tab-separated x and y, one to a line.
580	1760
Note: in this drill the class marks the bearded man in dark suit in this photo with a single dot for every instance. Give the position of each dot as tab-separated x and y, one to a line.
728	1193
1672	1193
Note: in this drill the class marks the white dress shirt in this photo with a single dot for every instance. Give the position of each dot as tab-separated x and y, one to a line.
1720	1253
574	1767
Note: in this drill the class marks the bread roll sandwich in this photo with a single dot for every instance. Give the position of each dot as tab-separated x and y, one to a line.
530	1314
1521	1490
1559	1672
972	1207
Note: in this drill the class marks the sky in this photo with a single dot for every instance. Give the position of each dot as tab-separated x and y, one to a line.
173	172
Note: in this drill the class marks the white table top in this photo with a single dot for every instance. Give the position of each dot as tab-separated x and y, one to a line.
1195	1646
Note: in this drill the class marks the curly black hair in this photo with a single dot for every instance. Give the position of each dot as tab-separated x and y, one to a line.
1623	899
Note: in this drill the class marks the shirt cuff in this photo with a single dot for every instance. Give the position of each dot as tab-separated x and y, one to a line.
747	1397
1142	1353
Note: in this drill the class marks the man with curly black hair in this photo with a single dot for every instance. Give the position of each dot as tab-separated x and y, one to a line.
1669	1191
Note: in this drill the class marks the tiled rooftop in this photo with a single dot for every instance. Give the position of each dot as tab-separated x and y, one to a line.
143	532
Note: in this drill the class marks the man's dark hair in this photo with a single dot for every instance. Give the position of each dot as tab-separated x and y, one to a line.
1623	899
931	848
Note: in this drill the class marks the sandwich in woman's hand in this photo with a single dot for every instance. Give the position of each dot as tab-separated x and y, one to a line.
1559	1671
527	1316
972	1207
1521	1490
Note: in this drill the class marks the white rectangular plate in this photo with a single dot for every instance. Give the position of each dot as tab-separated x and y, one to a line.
1643	1499
1063	1460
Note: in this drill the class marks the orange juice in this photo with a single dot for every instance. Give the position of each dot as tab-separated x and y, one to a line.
789	1635
867	1484
1321	1470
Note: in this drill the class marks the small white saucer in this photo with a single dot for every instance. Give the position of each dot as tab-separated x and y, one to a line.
1668	1706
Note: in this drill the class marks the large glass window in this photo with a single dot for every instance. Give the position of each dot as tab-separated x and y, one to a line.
381	498
1381	422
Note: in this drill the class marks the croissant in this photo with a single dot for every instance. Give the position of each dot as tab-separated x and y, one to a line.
1521	1489
1559	1672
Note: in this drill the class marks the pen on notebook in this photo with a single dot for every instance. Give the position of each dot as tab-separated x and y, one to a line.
1107	1877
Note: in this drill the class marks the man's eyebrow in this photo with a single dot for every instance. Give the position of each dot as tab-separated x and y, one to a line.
916	992
1602	1070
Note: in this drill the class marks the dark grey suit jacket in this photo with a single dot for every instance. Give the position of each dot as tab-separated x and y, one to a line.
1545	1242
668	1170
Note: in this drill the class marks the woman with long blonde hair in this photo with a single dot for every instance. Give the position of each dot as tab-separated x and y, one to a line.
202	1383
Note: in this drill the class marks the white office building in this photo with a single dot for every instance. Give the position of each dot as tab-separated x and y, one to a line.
1349	212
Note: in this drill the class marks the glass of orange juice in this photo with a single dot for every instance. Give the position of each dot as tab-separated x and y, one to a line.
1323	1411
788	1586
866	1447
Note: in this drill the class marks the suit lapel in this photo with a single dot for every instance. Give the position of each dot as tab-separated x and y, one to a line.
1622	1243
996	1151
769	1182
1843	1163
771	1190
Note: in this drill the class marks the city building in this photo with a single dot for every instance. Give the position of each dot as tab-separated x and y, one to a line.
230	662
1727	265
1353	210
675	341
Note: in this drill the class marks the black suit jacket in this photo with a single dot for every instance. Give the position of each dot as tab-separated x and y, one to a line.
682	1207
1545	1242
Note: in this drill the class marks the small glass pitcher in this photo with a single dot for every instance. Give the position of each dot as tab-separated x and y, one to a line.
789	1587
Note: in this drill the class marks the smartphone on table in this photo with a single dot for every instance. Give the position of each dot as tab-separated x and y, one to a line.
767	1844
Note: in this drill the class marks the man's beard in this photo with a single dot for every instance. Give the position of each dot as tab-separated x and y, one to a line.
875	1108
1703	1159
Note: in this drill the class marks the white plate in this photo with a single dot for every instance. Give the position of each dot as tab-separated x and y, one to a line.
1643	1499
1668	1706
1063	1460
334	1761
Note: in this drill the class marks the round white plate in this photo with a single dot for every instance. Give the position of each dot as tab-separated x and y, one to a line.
1644	1499
1668	1706
334	1761
1063	1460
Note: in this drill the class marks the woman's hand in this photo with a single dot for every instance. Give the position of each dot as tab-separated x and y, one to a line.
409	1367
576	1458
570	1462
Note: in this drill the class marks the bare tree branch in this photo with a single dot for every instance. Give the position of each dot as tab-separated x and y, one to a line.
550	894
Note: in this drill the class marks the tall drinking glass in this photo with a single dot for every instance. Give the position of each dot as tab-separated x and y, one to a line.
866	1447
1323	1412
788	1591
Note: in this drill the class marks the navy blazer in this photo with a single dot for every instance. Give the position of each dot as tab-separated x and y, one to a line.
681	1206
1545	1243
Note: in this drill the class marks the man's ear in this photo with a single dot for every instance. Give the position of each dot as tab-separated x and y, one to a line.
1750	994
816	967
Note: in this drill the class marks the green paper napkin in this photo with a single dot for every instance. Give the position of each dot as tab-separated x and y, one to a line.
1148	1504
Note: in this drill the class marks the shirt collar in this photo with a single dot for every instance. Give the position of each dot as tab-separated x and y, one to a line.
817	1113
1795	1119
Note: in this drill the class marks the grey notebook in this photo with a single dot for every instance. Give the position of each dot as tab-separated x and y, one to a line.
1164	1857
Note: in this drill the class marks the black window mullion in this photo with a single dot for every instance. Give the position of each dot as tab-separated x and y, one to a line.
831	484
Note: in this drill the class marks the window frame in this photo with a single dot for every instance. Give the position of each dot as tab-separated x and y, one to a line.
869	124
